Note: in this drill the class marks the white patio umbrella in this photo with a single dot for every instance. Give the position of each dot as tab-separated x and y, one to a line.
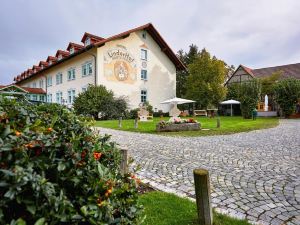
177	101
230	102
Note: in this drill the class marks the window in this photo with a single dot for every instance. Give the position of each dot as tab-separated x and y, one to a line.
49	97
49	81
42	98
34	85
42	66
34	97
144	74
87	41
144	35
41	83
72	50
59	57
71	74
50	62
59	78
59	97
143	54
83	89
71	96
87	69
143	95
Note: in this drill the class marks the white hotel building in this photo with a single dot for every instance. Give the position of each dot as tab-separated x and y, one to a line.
137	63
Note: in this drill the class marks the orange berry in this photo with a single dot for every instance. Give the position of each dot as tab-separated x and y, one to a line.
97	155
50	129
18	133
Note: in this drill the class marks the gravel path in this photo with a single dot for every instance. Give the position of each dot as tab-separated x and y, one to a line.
254	175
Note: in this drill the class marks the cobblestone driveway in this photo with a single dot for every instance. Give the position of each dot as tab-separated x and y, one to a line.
254	175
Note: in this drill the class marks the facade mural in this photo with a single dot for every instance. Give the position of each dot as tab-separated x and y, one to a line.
120	65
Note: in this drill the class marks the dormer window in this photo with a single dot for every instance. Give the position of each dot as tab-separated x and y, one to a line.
87	41
72	50
50	62
42	66
34	71
59	57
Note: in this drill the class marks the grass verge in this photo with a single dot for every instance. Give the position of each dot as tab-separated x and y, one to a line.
168	209
229	125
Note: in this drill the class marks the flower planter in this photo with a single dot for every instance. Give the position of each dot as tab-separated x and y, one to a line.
178	127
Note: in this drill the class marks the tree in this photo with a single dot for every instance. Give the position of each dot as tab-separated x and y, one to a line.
249	95
206	79
98	100
181	76
268	83
287	93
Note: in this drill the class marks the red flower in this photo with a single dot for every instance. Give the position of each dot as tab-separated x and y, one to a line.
97	155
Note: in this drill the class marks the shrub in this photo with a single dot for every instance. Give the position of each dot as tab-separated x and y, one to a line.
249	97
54	169
287	93
97	100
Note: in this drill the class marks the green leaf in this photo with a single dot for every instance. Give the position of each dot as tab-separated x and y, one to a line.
7	172
61	166
40	221
20	221
31	209
4	184
84	211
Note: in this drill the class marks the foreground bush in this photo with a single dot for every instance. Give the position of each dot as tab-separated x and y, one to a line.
54	169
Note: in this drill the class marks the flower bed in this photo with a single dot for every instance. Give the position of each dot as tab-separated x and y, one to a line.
176	124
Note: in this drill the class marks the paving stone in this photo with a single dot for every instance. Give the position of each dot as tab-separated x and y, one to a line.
255	173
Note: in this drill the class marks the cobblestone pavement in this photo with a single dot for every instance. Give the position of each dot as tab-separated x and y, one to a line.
254	175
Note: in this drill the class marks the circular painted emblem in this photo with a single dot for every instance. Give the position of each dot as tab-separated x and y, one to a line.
144	64
121	70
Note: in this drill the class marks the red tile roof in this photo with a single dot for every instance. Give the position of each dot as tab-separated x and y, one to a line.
43	63
93	38
75	46
62	53
99	41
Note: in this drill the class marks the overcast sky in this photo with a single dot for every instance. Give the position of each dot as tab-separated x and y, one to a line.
256	33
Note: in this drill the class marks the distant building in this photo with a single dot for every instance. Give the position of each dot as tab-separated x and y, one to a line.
31	94
137	63
244	74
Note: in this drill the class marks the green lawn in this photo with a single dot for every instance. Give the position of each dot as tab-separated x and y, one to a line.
167	209
229	125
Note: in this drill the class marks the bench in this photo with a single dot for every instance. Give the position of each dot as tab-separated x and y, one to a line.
200	113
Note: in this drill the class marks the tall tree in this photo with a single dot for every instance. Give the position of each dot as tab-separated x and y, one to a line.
206	79
181	76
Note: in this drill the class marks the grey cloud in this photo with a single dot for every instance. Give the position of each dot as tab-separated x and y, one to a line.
256	33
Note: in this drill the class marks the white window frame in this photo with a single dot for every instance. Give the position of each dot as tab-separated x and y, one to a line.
34	84
49	81
72	50
144	95
49	98
59	97
71	95
59	57
144	76
87	41
41	83
144	54
59	78
88	67
71	74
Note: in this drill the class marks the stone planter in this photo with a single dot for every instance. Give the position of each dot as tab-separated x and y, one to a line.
178	127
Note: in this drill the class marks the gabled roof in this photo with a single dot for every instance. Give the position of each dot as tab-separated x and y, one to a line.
75	46
24	89
248	70
51	58
62	53
99	41
43	63
156	36
93	37
290	70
